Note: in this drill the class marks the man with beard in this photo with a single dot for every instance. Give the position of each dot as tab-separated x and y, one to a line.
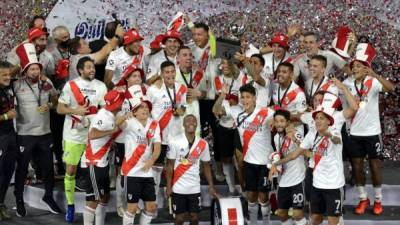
79	101
60	53
79	48
38	36
35	97
132	52
172	41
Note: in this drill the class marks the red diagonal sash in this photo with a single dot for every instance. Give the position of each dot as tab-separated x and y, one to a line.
321	148
167	115
197	150
79	97
285	146
218	84
92	157
198	75
127	165
244	79
248	134
367	87
81	100
137	59
325	87
290	97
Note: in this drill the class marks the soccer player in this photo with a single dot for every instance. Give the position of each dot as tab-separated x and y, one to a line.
186	151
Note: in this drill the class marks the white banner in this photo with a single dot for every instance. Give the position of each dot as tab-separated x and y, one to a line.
87	18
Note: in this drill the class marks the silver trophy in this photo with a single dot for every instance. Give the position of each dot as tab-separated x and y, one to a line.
237	27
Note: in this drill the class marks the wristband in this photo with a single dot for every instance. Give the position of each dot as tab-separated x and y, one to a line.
5	116
190	25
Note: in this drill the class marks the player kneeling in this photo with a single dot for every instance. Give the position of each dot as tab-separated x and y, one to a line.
142	148
291	187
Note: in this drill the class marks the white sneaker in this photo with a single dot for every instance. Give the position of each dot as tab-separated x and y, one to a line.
112	183
120	211
220	177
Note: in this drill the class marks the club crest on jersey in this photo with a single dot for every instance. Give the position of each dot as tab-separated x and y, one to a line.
198	150
150	133
1	152
21	149
286	100
130	196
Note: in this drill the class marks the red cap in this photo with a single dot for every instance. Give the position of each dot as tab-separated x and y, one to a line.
114	100
280	39
128	71
172	34
130	36
35	33
156	43
62	68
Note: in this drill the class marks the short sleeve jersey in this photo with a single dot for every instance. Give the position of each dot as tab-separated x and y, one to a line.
104	120
162	104
368	92
179	150
293	172
95	91
135	135
327	160
254	130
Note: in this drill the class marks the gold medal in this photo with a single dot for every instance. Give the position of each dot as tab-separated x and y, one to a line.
185	161
362	104
40	109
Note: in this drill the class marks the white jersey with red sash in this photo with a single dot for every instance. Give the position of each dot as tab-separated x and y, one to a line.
119	60
293	172
255	134
234	86
327	160
85	93
367	93
97	150
126	107
186	177
163	100
207	67
192	80
155	61
325	84
271	64
139	142
292	98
